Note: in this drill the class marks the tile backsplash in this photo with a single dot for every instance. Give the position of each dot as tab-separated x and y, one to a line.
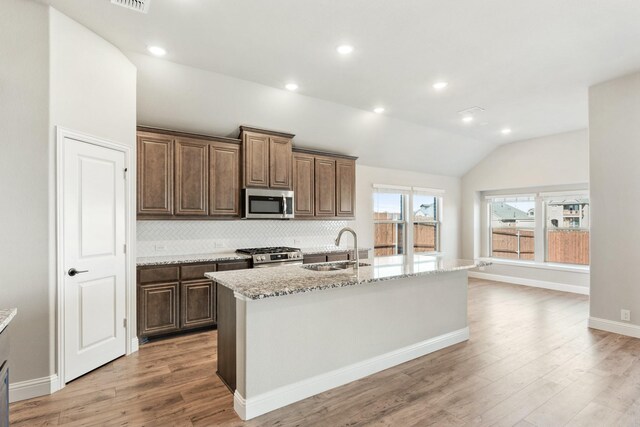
196	237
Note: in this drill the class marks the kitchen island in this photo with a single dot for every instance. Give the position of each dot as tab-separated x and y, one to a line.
288	333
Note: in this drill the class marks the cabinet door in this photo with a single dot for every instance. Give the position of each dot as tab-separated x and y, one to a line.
192	183
198	301
314	258
345	187
158	309
256	159
155	174
224	179
325	183
337	257
303	185
280	158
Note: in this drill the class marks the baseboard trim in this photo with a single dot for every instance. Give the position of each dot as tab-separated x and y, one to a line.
615	327
563	287
33	388
135	345
283	396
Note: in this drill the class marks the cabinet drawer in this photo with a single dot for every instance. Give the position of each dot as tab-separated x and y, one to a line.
313	259
362	254
158	274
234	265
196	271
338	257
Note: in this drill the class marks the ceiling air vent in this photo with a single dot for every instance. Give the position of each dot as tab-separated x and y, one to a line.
137	5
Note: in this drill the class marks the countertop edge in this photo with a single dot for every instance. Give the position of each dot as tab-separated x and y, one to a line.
257	297
8	315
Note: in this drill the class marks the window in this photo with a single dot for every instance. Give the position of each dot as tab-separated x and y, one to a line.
426	226
395	232
512	227
389	223
567	229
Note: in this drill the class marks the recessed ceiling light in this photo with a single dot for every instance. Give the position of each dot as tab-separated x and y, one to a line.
467	119
344	49
291	86
505	131
157	50
378	110
440	85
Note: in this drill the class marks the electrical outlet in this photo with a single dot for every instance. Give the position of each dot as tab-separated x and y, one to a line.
625	315
296	241
161	248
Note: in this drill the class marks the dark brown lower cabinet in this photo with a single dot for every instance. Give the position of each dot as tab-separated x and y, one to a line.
334	256
158	309
197	304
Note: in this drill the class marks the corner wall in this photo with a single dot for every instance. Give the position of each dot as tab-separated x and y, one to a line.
547	163
24	187
614	107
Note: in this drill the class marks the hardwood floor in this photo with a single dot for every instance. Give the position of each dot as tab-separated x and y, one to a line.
531	361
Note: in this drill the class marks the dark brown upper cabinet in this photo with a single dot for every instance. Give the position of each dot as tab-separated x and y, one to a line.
280	163
325	184
155	174
256	159
345	188
267	158
192	170
304	185
224	179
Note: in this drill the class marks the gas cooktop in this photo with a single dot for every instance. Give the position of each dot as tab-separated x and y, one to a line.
273	256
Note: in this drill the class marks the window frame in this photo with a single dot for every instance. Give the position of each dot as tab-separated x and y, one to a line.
540	229
409	218
437	212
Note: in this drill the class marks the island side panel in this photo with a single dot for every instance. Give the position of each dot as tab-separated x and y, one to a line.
293	340
226	306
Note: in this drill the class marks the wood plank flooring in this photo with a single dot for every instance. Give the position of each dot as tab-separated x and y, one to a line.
531	361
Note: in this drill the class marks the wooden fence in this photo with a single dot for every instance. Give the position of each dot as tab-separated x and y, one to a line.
563	246
568	246
388	238
512	243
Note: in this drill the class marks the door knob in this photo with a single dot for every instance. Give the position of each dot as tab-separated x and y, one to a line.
72	272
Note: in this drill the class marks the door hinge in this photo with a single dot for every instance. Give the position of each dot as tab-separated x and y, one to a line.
124	248
125	172
124	323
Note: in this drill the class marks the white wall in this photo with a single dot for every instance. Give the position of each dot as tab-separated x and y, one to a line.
59	73
549	163
24	174
614	107
179	97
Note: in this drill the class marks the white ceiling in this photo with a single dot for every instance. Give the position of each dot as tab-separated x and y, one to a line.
528	63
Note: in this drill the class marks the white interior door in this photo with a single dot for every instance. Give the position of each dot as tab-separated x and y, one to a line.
94	211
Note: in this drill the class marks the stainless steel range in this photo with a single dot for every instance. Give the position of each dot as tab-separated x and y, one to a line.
273	257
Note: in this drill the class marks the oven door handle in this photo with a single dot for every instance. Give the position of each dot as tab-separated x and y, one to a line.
284	203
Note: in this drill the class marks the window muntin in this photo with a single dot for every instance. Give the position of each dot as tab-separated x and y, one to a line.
567	229
512	227
389	223
426	225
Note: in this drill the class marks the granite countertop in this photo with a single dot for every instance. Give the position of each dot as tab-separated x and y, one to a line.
260	283
185	259
329	249
225	256
6	315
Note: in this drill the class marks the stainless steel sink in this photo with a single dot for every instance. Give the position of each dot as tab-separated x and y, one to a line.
332	267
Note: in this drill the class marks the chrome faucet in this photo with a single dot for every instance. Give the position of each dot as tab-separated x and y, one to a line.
355	245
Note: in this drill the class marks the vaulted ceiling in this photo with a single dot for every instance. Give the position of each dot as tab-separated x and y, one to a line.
527	64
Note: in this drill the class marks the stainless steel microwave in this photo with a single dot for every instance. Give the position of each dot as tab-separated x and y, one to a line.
267	204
